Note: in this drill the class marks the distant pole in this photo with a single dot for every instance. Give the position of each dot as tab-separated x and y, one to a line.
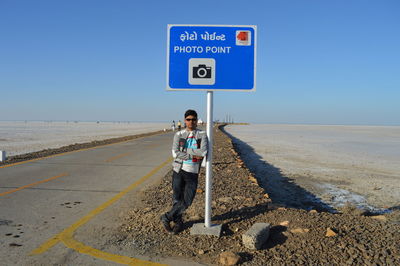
207	218
3	156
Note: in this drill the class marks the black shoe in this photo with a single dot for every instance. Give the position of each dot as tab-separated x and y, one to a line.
166	223
177	227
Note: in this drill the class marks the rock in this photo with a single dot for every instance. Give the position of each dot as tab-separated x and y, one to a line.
379	218
300	230
256	236
284	223
146	210
201	252
266	196
330	232
313	211
239	197
199	190
274	206
225	199
195	217
229	258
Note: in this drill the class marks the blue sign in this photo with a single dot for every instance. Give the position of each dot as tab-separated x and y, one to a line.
211	57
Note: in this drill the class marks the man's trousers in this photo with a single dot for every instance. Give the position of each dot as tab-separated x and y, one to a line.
184	185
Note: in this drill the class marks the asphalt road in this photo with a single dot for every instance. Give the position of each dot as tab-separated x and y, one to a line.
43	203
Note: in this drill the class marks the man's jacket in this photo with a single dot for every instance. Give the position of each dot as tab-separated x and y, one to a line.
181	154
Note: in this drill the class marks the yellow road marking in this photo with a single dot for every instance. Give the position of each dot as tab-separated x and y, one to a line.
33	184
85	149
70	242
117	157
66	236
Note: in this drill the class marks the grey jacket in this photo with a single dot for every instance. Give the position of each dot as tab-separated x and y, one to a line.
180	153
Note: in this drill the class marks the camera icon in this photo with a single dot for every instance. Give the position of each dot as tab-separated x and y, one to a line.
201	71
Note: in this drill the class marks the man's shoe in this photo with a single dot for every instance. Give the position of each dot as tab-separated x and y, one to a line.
166	223
177	227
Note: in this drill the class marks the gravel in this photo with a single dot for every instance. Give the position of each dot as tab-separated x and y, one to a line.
239	202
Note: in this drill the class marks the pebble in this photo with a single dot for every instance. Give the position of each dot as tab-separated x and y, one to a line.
300	230
284	223
379	218
229	258
225	199
330	232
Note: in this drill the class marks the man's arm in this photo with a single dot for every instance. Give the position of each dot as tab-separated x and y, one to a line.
203	148
176	153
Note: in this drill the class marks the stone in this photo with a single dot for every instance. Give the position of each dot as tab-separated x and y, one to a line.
239	197
146	210
195	217
274	206
256	236
300	230
201	252
330	232
252	179
313	211
379	218
225	199
284	223
266	196
199	190
229	258
201	229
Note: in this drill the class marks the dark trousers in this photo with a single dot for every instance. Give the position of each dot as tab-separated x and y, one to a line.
184	187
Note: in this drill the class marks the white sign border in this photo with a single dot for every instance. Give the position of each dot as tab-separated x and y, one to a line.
169	26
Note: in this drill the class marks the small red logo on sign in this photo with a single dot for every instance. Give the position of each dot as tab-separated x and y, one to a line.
242	36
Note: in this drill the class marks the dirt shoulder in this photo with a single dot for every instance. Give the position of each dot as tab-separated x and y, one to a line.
74	147
238	203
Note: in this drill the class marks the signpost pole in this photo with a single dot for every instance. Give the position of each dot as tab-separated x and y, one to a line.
211	58
207	219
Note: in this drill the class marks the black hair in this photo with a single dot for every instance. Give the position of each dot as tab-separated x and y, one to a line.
190	112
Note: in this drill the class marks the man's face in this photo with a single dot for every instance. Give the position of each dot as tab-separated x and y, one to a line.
191	122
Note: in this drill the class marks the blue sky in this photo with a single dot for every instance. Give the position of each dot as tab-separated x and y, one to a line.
318	62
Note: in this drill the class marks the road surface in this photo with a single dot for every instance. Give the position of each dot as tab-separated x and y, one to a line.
45	204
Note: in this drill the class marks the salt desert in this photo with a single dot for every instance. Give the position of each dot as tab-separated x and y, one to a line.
23	137
338	164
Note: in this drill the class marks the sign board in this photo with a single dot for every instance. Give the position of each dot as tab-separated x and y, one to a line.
211	57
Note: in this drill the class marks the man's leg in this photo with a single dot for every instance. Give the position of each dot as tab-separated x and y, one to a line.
189	193
191	180
177	188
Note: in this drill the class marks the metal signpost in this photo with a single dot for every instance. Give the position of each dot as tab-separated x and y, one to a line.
211	58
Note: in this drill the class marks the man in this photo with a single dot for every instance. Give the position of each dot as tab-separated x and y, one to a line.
189	148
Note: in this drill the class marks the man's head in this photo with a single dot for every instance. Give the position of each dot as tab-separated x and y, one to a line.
191	119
